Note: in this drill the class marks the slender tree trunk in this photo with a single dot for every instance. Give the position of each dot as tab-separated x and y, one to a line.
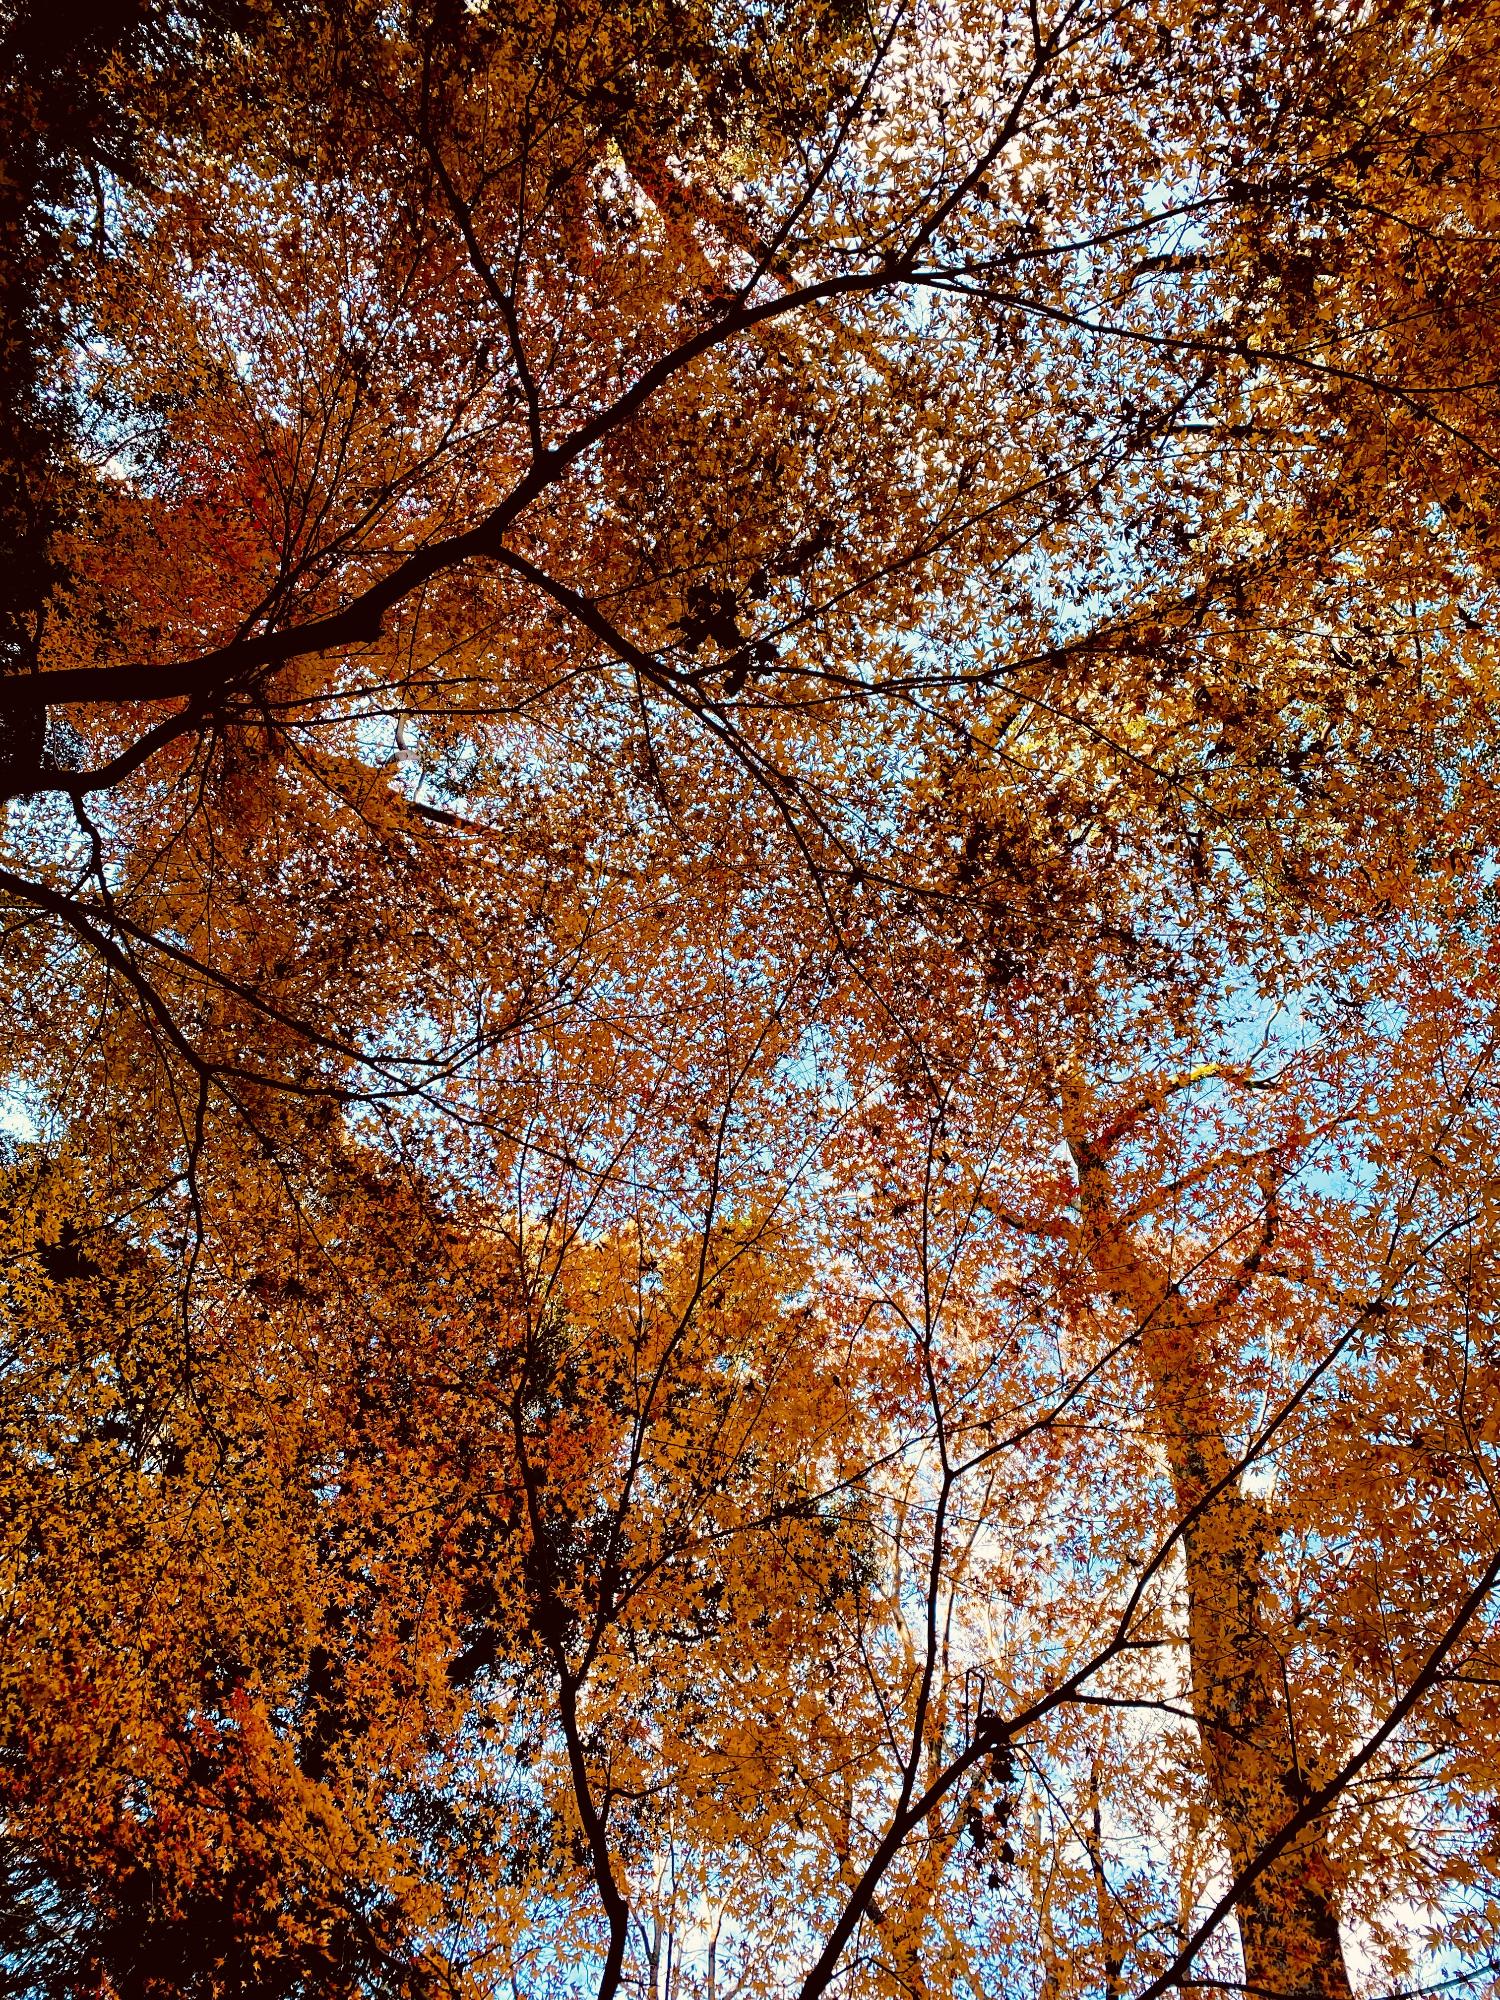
1112	1939
1288	1917
1054	1980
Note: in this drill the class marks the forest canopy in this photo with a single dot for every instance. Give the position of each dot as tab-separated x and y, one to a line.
751	993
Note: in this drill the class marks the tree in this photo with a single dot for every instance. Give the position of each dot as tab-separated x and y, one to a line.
749	807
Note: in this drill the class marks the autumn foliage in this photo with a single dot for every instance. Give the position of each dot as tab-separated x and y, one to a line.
749	1218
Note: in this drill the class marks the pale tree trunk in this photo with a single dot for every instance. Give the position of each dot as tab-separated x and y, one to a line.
1112	1940
1288	1920
1054	1979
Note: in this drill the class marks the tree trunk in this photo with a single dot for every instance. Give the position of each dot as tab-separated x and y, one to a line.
1288	1919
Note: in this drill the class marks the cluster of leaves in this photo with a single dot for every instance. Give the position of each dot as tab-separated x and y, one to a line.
750	972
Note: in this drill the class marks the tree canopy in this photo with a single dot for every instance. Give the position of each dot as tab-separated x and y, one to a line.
750	974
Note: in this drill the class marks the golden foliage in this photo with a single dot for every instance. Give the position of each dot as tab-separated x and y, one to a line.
750	983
